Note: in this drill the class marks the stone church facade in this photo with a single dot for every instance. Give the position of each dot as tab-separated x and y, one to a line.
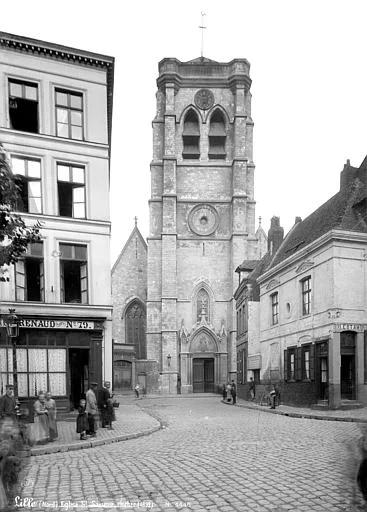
202	227
202	222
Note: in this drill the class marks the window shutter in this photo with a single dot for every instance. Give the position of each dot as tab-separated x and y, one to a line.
20	280
298	357
62	282
84	282
285	369
42	281
312	362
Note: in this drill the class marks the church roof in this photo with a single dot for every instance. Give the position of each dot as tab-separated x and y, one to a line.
134	232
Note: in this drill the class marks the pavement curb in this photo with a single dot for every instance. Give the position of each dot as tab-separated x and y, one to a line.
299	414
82	445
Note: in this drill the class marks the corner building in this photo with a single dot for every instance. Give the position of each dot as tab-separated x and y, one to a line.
55	124
202	222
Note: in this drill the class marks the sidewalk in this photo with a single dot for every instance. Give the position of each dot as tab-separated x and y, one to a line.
353	415
131	422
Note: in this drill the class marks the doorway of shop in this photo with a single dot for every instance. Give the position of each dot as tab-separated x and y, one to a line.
203	375
347	366
79	370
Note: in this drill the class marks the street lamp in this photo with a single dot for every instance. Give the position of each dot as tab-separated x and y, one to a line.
12	328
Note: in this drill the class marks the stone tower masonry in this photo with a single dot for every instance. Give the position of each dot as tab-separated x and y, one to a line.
202	221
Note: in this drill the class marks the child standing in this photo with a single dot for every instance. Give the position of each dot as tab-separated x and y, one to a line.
82	424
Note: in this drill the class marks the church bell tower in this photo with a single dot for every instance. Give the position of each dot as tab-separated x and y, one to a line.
202	221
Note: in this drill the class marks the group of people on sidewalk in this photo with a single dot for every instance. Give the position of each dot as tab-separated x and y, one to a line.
97	406
230	392
44	428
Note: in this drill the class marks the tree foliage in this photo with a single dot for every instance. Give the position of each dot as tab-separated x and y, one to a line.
14	234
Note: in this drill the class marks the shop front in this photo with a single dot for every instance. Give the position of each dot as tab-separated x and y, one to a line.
53	354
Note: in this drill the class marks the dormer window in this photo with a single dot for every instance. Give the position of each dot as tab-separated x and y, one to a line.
191	136
217	137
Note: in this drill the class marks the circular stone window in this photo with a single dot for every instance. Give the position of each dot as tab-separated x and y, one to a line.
203	219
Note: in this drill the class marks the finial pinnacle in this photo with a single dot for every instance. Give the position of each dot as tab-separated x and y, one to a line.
259	221
136	221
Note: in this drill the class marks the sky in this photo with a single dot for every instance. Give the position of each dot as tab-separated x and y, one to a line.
309	87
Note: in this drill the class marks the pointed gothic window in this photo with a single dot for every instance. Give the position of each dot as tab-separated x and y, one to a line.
191	136
135	328
217	137
202	305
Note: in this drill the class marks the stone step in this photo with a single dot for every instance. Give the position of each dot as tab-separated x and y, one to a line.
345	405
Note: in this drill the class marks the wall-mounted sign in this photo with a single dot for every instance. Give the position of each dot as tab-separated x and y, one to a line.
350	327
50	323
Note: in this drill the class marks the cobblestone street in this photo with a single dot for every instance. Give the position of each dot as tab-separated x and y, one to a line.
207	456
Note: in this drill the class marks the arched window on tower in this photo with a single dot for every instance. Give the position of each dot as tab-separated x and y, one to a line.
202	305
217	137
191	136
135	323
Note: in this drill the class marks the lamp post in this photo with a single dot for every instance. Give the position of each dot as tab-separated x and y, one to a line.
12	328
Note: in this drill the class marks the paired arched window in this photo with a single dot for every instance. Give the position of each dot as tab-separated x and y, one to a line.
202	305
135	325
191	136
217	136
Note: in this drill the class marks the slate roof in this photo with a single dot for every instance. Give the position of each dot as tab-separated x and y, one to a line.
346	210
247	265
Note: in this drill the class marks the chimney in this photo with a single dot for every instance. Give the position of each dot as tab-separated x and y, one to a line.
275	235
297	220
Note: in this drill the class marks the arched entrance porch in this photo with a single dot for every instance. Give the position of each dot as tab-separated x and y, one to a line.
203	363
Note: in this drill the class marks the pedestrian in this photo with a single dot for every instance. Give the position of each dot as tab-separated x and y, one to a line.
224	392
92	409
233	392
82	424
229	392
137	388
252	389
41	429
272	395
104	395
8	405
51	408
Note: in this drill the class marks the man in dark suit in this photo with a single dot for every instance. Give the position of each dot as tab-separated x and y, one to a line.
103	395
8	403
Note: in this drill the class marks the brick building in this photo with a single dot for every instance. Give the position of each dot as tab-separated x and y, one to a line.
55	124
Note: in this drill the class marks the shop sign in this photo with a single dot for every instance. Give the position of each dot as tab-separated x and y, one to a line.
254	362
350	327
47	323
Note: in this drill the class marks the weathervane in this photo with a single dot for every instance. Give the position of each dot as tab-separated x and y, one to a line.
202	28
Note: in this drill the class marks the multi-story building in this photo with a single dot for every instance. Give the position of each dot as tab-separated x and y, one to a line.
313	307
55	124
247	297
